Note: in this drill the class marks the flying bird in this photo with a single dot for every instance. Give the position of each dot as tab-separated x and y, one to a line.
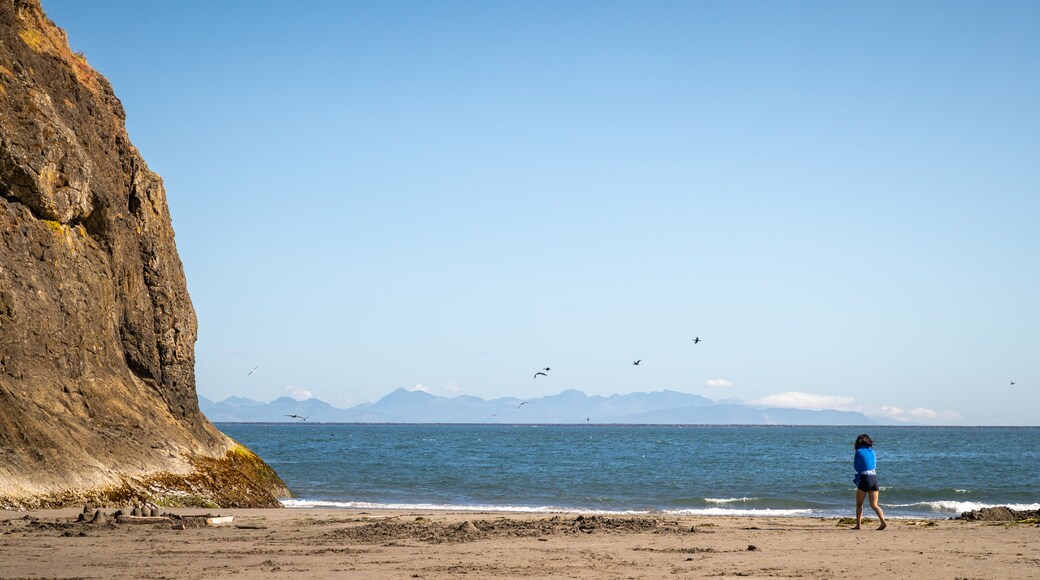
547	369
696	340
521	404
540	373
637	362
1012	383
253	371
300	417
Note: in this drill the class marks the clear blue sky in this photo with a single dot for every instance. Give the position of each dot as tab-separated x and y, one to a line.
840	198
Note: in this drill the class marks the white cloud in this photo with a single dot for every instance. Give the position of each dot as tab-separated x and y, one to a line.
298	393
811	401
815	402
916	415
718	383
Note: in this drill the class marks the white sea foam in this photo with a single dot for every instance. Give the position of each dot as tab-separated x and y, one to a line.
967	506
711	511
316	503
714	511
729	499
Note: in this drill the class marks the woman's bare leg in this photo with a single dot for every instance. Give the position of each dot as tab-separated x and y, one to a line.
877	508
860	495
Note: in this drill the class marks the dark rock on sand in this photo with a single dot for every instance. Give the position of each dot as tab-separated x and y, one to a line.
1000	514
97	332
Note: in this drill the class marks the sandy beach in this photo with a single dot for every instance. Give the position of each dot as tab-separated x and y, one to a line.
388	544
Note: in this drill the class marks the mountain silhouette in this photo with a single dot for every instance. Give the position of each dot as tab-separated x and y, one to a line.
569	407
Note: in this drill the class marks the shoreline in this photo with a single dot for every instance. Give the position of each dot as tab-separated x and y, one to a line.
718	508
369	543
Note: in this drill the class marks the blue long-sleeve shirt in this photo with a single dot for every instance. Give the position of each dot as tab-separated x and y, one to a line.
865	460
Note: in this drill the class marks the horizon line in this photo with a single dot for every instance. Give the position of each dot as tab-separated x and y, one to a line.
740	425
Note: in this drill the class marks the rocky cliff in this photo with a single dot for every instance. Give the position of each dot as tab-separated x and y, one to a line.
97	332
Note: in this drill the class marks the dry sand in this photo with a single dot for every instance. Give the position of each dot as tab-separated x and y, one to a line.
388	544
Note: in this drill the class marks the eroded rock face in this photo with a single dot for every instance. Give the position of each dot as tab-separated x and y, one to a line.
97	332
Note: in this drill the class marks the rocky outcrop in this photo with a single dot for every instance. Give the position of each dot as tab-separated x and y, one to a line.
1001	514
97	332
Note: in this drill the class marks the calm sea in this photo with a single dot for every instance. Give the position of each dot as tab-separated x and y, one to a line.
707	470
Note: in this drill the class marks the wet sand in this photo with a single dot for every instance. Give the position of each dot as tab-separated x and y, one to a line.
412	544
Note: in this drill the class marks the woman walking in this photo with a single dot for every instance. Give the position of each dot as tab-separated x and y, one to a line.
866	481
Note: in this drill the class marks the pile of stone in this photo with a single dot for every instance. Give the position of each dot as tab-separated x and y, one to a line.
151	514
1001	514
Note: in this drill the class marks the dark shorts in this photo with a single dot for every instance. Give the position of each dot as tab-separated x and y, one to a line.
868	483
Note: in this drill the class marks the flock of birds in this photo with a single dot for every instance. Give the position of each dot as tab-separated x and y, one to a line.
545	371
542	372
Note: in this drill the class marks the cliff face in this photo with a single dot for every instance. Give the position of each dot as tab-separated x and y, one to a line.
97	332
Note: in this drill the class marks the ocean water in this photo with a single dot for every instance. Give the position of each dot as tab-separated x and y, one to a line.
931	472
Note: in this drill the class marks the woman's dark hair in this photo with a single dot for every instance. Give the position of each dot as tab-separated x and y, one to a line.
864	440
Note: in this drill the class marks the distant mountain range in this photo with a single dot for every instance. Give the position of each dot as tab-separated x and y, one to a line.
568	407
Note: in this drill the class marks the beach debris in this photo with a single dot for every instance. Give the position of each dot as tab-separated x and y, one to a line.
219	520
999	514
89	515
435	532
752	548
153	516
694	550
590	524
132	519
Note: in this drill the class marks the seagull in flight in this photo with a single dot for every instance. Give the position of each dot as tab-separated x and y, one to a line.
253	371
540	373
300	417
636	363
521	404
696	340
1012	383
